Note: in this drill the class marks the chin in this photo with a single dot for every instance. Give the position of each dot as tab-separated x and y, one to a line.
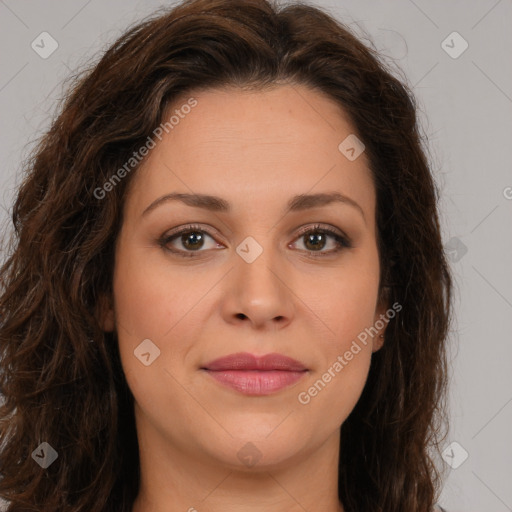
254	446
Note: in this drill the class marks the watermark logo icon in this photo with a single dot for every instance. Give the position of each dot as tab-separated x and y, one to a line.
147	352
455	249
249	454
351	147
44	45
454	455
454	45
44	455
249	249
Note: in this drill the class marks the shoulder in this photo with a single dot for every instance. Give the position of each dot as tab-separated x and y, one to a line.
438	508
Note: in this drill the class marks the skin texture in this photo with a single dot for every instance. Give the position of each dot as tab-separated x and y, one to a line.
255	150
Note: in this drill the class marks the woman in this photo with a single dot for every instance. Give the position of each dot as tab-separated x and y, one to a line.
226	287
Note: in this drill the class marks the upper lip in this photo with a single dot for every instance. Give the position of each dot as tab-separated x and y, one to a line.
246	361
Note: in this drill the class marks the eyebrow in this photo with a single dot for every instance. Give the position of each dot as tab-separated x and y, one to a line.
217	204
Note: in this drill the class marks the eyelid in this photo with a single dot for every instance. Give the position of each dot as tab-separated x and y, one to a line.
212	231
191	227
321	226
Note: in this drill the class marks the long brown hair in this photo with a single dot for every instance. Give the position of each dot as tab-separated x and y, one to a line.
61	377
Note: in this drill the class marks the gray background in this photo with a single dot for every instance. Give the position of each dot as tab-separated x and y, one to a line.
466	105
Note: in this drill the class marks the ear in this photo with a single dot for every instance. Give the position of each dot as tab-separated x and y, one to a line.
381	320
105	314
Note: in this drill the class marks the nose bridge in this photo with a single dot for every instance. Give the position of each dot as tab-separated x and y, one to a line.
259	286
258	263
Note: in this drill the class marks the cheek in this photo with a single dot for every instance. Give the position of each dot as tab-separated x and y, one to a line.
345	300
149	300
346	306
345	353
147	307
159	302
333	392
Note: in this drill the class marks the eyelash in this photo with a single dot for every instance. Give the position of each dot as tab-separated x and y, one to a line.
342	241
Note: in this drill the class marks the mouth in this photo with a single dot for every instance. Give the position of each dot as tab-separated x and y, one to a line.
256	376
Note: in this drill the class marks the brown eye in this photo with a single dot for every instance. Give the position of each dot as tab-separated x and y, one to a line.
317	238
187	240
192	240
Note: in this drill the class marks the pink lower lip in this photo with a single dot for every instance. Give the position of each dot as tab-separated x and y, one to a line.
256	382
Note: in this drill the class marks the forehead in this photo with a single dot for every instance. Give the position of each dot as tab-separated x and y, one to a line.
254	146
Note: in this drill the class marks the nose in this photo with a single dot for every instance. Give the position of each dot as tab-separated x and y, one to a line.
260	293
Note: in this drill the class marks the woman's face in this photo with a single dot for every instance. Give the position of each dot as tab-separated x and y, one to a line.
246	279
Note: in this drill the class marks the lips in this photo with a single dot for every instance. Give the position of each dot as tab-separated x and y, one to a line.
246	361
253	375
